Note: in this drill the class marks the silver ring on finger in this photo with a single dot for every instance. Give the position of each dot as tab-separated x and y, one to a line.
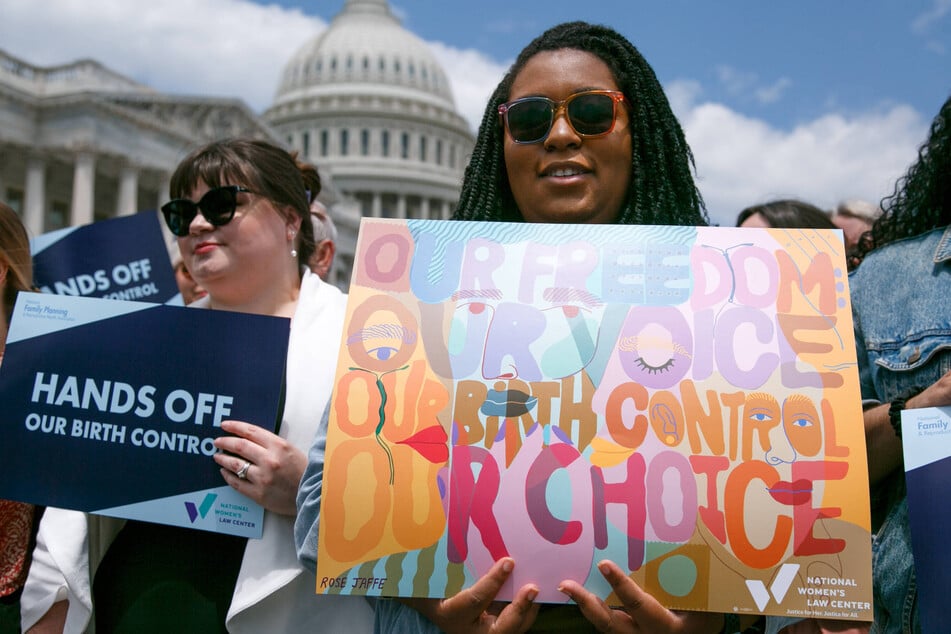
242	473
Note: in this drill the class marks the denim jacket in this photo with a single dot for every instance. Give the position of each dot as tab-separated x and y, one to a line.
902	313
390	617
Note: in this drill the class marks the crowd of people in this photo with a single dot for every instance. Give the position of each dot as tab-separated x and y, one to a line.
578	131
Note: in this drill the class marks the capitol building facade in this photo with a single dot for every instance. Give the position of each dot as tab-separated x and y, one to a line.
365	100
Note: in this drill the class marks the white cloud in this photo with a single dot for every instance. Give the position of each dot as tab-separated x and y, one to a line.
230	48
473	76
924	24
735	81
938	10
936	46
744	84
682	95
742	161
238	48
771	94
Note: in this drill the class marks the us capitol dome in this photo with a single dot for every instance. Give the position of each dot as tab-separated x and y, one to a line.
367	102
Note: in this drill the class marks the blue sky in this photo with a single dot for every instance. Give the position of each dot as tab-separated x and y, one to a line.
781	61
818	99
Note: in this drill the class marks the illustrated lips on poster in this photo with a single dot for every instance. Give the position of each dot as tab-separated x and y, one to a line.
430	443
792	493
507	403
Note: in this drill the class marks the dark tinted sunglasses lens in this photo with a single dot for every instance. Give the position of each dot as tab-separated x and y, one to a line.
591	114
179	215
529	120
218	205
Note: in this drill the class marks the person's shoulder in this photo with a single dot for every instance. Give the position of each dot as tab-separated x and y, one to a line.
318	295
908	259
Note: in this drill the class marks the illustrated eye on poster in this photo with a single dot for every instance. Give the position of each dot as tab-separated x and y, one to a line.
683	401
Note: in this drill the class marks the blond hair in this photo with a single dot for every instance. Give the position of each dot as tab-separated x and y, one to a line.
857	208
15	257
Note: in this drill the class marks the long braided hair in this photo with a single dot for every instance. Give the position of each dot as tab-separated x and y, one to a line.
922	197
662	190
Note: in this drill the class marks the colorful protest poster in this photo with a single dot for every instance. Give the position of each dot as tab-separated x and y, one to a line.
683	401
119	258
113	407
926	443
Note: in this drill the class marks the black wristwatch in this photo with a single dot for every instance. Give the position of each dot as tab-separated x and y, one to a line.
898	404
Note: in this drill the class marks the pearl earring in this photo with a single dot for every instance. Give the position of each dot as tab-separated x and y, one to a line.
293	250
293	253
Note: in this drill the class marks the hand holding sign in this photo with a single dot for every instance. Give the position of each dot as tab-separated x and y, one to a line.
681	401
275	467
639	612
475	609
83	387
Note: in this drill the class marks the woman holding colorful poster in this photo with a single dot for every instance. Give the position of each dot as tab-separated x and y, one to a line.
579	131
584	396
240	210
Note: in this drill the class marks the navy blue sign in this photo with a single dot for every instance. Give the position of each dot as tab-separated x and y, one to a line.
926	445
119	258
113	407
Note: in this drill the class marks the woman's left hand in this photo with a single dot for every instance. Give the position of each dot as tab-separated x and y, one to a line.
641	612
271	467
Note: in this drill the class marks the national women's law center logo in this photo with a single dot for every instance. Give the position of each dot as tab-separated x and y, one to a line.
779	587
194	512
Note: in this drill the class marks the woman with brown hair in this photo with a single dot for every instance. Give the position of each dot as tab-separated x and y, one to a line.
241	214
17	519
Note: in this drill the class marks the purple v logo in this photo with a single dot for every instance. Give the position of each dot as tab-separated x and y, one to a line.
206	505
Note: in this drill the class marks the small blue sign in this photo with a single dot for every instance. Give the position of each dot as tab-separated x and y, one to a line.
120	258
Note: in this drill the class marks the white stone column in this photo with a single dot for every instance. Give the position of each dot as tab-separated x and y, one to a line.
377	205
424	208
84	189
164	183
401	206
445	210
34	196
127	199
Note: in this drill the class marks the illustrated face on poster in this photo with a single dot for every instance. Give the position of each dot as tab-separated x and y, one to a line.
776	420
532	326
667	403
